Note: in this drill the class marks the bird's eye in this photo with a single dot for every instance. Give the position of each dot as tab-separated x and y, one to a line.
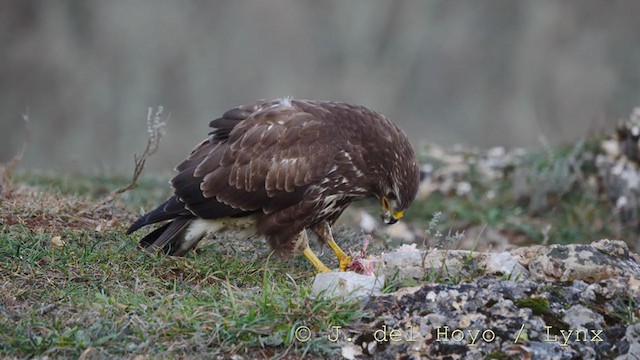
391	196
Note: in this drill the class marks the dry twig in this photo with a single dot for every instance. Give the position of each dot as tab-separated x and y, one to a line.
6	170
156	130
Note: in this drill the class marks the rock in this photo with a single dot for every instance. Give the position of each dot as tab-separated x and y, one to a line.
591	263
607	289
351	352
527	253
401	231
522	319
630	343
612	247
580	317
408	264
504	263
367	222
419	264
618	168
516	304
455	164
347	284
633	288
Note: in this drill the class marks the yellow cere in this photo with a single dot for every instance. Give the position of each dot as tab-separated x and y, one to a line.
398	214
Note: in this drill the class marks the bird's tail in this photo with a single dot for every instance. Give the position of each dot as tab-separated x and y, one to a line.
173	238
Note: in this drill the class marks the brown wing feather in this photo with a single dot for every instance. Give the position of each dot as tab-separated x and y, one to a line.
265	161
197	155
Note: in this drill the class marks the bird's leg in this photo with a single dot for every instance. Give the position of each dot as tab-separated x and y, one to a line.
308	253
323	230
302	241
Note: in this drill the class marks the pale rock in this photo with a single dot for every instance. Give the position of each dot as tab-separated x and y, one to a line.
347	284
350	352
612	247
579	317
504	263
604	259
415	264
610	147
527	253
401	230
367	222
407	264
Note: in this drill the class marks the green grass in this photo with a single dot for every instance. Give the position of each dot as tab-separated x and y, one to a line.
98	294
98	291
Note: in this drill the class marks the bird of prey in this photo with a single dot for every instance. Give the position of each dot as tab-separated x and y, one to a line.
276	168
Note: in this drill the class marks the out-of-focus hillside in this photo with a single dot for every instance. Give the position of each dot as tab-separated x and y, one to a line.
476	72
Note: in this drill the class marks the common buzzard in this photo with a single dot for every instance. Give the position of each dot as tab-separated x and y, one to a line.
279	167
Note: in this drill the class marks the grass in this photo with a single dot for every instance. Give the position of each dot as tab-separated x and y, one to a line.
97	294
100	293
626	310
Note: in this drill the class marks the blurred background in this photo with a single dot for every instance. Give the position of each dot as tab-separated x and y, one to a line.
481	73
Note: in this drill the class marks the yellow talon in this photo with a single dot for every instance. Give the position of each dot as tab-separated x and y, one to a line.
343	259
344	263
323	230
311	256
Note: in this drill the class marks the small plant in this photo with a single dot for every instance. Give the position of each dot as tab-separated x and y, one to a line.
539	306
627	311
447	242
450	241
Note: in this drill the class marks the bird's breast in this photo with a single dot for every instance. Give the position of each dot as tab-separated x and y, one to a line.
332	206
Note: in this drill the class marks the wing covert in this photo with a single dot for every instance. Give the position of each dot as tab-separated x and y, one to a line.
264	162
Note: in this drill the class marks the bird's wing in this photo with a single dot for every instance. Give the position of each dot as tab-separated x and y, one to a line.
257	159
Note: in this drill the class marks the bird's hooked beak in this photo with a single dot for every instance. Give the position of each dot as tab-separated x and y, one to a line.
389	215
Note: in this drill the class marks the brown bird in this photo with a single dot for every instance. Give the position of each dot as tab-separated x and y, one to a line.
279	167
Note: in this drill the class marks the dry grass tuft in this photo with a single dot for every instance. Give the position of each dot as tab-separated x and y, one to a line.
49	212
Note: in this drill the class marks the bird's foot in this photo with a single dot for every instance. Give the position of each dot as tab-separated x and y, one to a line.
313	259
344	261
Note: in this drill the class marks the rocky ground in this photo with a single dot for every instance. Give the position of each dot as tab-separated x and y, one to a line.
555	302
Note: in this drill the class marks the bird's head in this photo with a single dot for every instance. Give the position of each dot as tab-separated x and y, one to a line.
392	167
391	211
399	192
